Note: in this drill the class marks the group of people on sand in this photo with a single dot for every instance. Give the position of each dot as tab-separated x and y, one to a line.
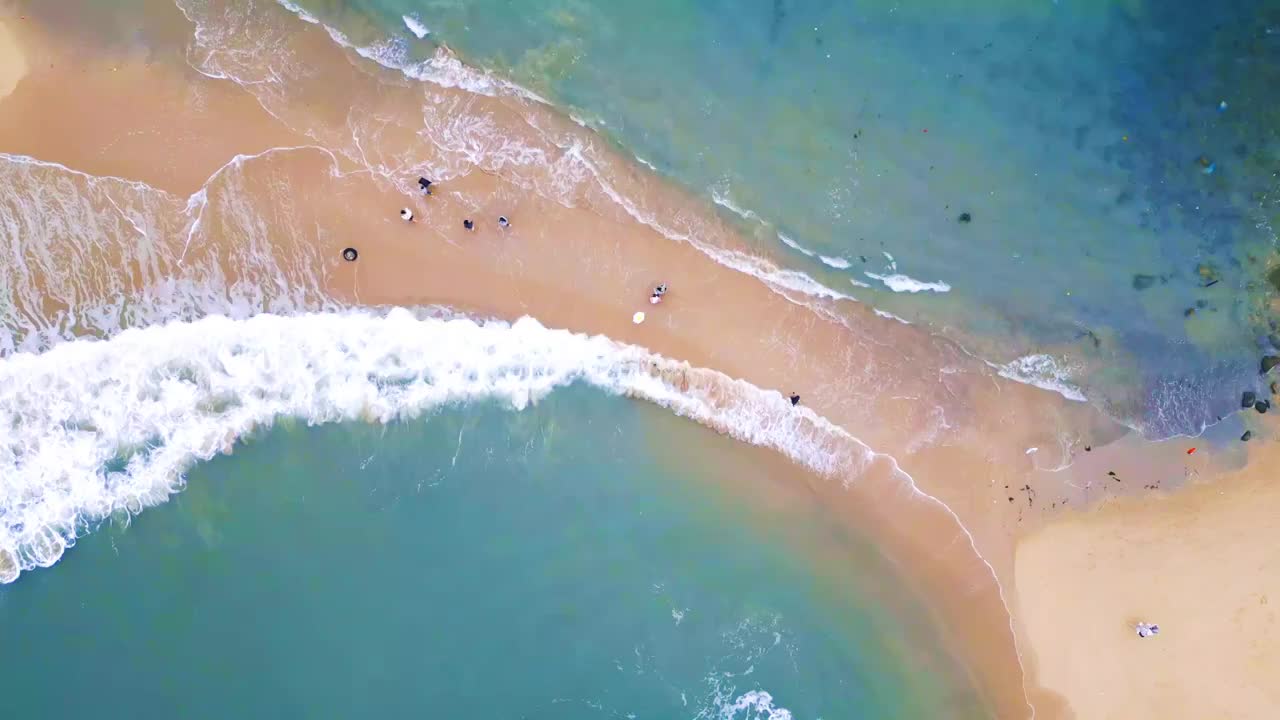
659	291
406	214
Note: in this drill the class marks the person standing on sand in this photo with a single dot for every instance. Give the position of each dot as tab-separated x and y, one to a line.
425	184
406	215
503	222
795	399
468	225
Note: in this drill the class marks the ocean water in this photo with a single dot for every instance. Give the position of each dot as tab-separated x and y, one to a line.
587	557
1116	160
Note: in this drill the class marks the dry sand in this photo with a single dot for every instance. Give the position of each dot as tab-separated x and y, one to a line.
586	265
1202	563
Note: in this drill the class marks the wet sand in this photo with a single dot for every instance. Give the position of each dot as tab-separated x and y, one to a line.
13	63
577	259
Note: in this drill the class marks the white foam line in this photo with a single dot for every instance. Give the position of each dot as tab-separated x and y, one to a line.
838	263
795	245
916	491
28	160
890	316
724	200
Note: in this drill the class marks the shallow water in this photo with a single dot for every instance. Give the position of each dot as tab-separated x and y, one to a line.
1072	134
589	557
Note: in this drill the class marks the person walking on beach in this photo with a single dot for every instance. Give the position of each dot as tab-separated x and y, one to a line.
1146	631
425	184
406	215
503	222
795	399
658	292
468	225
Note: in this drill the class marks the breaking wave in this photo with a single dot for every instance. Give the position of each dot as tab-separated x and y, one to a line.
102	428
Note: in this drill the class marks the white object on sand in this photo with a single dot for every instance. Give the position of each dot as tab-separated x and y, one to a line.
407	215
637	318
655	299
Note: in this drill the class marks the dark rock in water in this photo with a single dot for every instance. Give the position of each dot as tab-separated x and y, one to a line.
1262	406
965	217
1268	362
1275	388
1248	399
1142	282
1245	437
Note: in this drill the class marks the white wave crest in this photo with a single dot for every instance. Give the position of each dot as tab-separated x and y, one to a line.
898	282
786	240
838	263
754	705
720	196
415	26
106	427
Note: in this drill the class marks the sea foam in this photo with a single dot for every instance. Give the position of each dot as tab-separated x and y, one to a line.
415	26
103	428
1042	371
898	282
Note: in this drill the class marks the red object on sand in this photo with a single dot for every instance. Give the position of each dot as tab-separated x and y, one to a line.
1191	451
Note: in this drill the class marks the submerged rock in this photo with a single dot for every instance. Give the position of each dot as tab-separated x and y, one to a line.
1248	399
1262	406
965	217
1268	362
1142	282
1245	437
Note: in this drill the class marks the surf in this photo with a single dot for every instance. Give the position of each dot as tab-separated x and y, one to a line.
107	428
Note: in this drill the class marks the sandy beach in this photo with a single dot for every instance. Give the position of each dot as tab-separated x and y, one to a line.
13	62
981	524
1197	563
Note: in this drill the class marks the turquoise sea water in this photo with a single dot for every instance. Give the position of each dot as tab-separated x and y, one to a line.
591	557
1106	182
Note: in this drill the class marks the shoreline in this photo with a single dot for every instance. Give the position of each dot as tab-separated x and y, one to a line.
961	432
